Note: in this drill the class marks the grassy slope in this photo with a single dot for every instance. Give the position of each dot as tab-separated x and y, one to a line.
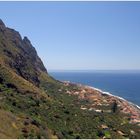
53	114
9	125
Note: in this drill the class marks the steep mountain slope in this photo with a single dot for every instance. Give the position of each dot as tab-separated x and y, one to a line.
20	55
34	105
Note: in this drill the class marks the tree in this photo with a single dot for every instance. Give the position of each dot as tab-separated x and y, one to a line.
114	107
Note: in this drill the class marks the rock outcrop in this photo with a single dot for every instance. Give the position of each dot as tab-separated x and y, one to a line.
20	55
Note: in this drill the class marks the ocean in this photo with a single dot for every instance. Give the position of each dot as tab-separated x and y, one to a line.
125	84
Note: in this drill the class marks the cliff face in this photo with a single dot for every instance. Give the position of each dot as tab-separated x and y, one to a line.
34	105
19	55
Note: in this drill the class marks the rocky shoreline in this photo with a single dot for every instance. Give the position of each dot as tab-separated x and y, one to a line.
99	99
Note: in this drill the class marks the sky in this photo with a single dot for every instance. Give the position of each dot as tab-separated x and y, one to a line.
79	35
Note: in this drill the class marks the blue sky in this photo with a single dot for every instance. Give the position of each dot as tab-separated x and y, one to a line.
79	35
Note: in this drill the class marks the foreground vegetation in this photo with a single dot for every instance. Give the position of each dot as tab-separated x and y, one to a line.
57	115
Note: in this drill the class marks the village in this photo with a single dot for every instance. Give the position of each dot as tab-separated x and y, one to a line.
100	102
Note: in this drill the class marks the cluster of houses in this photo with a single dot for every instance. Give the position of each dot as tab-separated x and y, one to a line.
99	100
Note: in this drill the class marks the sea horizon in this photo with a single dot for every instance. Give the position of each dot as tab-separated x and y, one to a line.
122	83
97	70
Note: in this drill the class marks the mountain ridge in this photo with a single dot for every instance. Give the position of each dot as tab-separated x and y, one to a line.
23	53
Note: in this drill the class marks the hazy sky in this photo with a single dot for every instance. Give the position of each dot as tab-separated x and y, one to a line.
79	35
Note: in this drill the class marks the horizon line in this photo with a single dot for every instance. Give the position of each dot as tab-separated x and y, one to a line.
93	70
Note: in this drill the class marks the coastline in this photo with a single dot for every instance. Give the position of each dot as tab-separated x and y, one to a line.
123	84
108	93
99	99
102	92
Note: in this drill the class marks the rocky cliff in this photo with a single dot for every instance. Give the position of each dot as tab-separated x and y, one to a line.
19	55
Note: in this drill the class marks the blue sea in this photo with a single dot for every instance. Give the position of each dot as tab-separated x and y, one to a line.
125	84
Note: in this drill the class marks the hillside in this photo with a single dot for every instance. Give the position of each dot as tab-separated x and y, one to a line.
35	105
